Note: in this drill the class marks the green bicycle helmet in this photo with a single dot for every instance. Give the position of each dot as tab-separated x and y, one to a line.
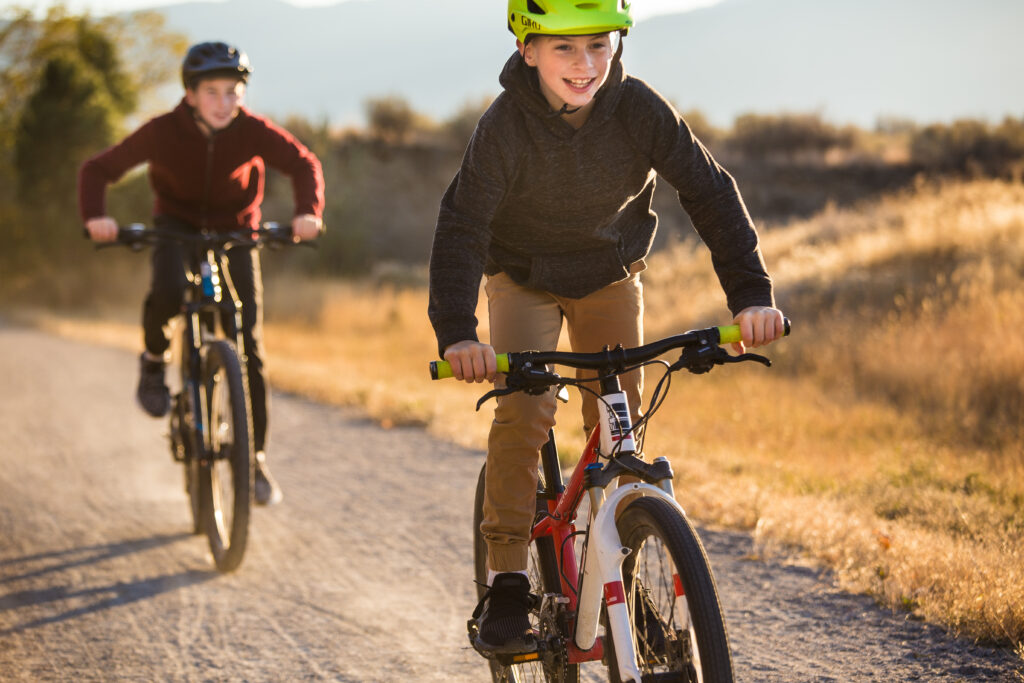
567	17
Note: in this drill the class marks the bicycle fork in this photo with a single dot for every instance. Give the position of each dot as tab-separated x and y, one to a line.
602	576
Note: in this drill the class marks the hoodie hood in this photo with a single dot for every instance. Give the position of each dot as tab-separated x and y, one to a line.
521	82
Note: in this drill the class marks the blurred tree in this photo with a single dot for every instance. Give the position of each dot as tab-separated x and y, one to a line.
70	115
392	120
701	127
459	128
67	85
787	135
970	146
66	91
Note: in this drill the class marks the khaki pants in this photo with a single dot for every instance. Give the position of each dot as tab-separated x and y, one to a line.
524	319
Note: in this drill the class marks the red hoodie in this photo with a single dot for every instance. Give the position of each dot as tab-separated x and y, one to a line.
215	182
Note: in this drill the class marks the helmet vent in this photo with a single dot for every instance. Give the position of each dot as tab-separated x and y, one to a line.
587	5
534	8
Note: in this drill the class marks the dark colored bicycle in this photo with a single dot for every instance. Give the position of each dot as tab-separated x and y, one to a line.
211	431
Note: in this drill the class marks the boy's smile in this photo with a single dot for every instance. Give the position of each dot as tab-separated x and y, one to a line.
571	69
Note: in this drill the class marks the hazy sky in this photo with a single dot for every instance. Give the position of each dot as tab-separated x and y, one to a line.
641	8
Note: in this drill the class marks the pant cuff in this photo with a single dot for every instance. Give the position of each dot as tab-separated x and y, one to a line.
507	557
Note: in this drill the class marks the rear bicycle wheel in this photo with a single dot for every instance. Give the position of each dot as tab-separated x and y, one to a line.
226	475
675	616
542	569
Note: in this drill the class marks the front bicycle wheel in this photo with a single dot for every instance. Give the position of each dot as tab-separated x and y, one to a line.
226	475
542	568
675	616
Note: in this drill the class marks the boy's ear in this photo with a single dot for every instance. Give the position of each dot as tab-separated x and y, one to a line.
527	52
190	97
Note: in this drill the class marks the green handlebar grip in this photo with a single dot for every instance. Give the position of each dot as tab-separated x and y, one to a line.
728	334
731	333
442	369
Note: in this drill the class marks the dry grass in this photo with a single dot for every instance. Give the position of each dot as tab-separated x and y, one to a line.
886	443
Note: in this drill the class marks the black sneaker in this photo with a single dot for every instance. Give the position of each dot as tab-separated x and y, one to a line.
502	616
265	488
152	394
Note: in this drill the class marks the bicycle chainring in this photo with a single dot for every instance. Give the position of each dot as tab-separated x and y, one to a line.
551	637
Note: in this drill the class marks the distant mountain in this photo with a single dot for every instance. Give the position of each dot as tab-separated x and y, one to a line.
853	60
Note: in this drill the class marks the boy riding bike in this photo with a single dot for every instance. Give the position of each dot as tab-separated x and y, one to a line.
206	167
553	205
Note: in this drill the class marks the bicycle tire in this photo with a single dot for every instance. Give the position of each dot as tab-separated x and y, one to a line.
664	545
543	572
228	467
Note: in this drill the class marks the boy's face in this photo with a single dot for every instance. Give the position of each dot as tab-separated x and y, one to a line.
216	100
571	69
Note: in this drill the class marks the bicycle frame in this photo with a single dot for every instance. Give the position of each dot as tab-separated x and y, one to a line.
205	297
602	566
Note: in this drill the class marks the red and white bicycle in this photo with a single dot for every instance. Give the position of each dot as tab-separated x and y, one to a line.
643	579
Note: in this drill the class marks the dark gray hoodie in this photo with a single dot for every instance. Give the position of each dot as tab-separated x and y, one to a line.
569	211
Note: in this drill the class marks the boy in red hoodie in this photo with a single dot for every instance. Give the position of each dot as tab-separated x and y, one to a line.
206	166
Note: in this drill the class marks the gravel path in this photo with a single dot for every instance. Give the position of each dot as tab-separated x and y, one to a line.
363	574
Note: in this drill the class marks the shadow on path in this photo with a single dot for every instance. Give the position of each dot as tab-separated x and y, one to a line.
78	557
99	597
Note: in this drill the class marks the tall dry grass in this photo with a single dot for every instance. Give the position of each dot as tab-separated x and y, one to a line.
886	442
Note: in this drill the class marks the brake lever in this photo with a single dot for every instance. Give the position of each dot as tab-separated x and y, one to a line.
749	356
701	359
528	380
493	393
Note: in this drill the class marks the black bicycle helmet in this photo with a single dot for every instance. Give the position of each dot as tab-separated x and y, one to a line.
214	59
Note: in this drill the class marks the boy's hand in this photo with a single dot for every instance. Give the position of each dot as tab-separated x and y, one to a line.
759	325
472	361
102	229
306	227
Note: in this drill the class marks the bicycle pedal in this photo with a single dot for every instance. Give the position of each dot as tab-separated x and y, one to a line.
510	660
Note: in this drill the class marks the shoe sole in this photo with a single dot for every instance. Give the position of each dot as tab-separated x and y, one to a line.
147	411
515	647
273	500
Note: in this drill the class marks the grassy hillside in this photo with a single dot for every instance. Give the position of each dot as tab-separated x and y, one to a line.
885	443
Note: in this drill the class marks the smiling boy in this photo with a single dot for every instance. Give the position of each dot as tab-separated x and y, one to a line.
552	204
206	167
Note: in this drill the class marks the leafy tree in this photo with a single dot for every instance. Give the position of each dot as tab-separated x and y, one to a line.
68	83
70	115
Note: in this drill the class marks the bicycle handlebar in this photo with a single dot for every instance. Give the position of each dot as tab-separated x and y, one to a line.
508	362
137	235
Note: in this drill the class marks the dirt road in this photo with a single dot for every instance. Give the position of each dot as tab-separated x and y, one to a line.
363	574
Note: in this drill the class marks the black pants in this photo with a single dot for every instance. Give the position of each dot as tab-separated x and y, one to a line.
167	293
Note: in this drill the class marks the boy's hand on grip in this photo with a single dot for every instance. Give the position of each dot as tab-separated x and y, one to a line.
306	227
471	361
101	229
759	325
